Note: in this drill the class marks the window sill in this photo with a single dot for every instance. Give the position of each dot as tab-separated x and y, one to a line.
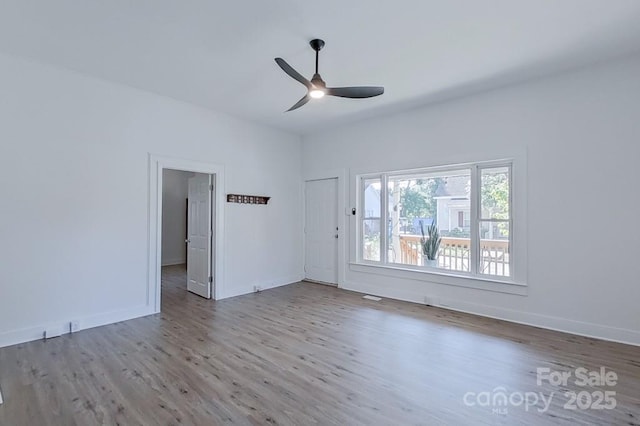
419	274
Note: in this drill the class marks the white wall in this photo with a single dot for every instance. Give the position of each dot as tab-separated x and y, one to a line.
74	187
581	134
175	190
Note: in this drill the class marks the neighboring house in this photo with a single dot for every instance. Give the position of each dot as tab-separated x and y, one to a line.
372	213
453	205
452	215
372	210
372	201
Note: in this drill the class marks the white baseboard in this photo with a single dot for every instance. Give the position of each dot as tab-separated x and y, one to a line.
28	334
320	282
265	285
171	262
281	282
565	325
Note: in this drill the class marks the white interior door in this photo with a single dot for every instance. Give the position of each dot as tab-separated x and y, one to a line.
321	230
199	235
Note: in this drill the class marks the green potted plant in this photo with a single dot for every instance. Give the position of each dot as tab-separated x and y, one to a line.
430	244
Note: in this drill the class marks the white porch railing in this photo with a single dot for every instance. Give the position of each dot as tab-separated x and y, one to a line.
454	254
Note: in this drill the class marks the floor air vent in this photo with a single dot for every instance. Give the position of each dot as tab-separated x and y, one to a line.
374	298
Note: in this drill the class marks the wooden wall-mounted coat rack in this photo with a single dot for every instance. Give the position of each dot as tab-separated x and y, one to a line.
247	199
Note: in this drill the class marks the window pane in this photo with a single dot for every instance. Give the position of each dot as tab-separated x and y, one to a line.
371	219
494	192
494	248
440	198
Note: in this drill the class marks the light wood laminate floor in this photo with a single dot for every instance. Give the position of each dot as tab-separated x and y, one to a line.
304	354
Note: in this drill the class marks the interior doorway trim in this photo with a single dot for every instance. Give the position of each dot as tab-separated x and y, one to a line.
343	218
154	277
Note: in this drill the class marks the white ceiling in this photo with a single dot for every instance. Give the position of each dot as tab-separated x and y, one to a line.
219	54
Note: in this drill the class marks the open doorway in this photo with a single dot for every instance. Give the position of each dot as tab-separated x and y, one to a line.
187	231
186	200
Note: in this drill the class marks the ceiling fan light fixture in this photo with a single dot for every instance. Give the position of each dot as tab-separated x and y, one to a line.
317	88
316	93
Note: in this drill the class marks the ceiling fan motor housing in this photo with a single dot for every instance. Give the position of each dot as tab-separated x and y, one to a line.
317	81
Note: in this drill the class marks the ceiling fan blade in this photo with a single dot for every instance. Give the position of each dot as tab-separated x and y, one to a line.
355	92
301	102
293	73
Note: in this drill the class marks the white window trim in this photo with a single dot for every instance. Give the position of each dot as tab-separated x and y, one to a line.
515	284
418	273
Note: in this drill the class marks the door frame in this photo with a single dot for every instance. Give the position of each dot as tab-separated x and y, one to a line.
340	175
154	249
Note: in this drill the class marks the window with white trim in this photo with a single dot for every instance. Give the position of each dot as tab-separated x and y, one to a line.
452	220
